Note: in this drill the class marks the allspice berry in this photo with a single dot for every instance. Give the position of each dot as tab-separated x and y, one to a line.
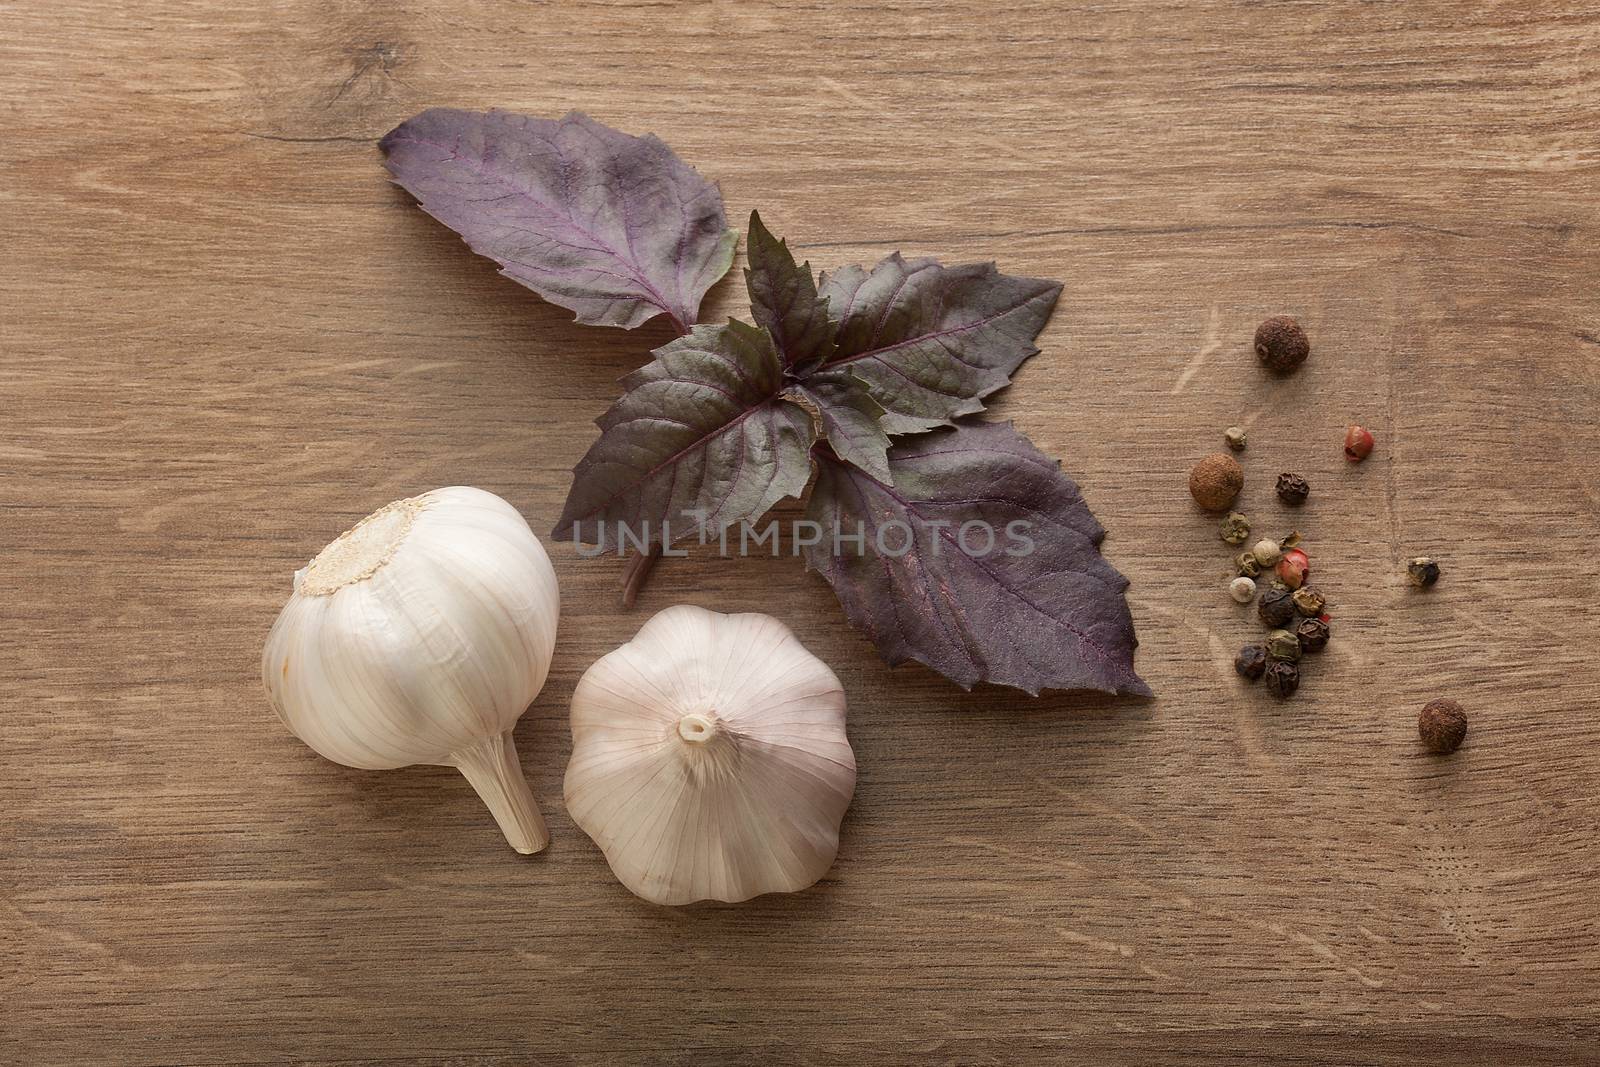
1293	489
1281	344
1443	726
1215	481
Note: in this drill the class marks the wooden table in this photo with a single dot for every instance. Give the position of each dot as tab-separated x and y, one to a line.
224	337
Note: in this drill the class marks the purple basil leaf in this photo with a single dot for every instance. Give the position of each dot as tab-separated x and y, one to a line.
612	227
700	440
931	342
783	298
849	418
1052	618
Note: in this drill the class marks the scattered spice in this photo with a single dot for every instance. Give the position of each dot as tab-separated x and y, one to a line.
1293	568
1215	481
1235	528
1275	574
1357	443
1293	489
1313	634
1423	571
1281	644
1443	726
1276	605
1251	662
1283	678
1266	552
1281	344
1308	601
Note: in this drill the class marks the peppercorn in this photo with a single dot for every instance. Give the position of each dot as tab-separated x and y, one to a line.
1423	572
1249	566
1215	481
1293	568
1266	552
1283	678
1235	528
1313	634
1281	644
1357	443
1235	438
1308	601
1275	606
1242	589
1443	726
1281	345
1251	661
1293	489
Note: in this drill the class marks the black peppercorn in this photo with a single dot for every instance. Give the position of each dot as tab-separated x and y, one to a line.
1251	661
1293	489
1422	571
1281	344
1276	605
1313	634
1283	678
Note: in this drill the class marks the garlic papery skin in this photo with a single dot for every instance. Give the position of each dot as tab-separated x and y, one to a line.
421	635
709	759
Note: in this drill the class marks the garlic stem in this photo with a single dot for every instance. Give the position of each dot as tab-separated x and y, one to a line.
637	572
495	772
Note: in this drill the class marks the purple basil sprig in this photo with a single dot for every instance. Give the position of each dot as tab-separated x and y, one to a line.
727	420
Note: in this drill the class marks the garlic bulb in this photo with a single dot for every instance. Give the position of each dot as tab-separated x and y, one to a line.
420	636
709	759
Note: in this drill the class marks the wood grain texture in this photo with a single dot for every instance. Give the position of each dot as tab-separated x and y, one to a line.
224	337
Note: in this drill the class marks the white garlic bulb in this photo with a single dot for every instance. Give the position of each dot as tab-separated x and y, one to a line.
421	635
709	759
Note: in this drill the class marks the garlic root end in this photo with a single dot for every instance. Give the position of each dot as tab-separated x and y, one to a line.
495	772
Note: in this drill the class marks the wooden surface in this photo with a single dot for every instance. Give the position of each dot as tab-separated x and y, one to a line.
224	337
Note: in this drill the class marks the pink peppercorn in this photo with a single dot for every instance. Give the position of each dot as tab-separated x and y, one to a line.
1357	443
